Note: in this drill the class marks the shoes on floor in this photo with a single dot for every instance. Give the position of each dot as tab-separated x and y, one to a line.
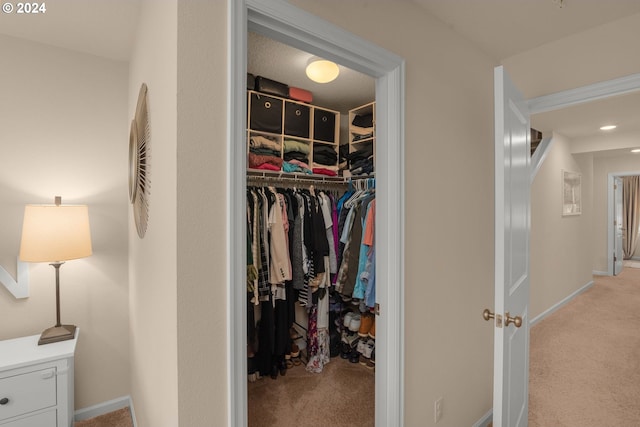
354	324
346	320
367	350
372	331
366	322
294	334
295	350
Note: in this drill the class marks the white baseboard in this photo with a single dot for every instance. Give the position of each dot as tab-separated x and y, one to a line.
560	304
485	420
600	273
106	407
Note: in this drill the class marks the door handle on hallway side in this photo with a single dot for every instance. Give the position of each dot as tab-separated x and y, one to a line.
488	315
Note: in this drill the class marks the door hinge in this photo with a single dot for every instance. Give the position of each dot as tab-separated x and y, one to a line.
377	309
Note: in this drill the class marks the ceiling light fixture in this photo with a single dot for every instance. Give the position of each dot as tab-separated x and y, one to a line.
608	127
321	71
636	150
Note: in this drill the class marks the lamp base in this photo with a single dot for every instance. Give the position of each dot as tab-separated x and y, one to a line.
57	333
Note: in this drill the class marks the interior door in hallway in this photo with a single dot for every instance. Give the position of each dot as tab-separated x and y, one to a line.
617	225
512	227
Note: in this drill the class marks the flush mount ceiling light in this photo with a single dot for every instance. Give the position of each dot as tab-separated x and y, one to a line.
321	71
636	150
608	127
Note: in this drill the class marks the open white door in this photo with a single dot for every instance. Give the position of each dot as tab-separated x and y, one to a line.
618	254
512	226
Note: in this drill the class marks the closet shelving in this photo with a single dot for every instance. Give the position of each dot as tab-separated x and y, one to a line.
362	135
310	132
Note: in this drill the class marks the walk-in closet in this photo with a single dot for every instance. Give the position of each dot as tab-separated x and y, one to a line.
310	226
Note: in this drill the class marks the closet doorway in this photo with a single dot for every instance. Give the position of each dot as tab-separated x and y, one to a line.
294	27
311	167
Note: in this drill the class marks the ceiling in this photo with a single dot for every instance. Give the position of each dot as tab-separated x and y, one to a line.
107	28
528	23
283	63
103	28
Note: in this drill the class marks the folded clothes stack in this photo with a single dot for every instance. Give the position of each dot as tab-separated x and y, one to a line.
361	127
296	151
361	160
325	155
264	153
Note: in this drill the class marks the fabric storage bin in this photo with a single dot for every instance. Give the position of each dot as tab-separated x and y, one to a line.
265	113
296	119
272	87
324	125
300	94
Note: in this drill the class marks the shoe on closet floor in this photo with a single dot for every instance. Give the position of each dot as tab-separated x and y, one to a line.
274	372
372	330
355	357
371	363
294	334
354	325
366	321
346	321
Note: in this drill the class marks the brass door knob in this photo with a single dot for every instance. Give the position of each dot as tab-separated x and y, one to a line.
517	321
488	315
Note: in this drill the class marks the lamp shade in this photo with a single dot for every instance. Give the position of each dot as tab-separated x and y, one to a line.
55	233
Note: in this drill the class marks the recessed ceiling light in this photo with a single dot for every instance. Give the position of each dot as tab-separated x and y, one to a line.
636	150
608	127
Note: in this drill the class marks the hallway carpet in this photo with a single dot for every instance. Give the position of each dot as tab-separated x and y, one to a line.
341	396
585	358
118	418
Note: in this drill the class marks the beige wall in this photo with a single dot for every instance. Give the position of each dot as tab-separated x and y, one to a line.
202	206
152	260
449	175
62	133
602	167
561	249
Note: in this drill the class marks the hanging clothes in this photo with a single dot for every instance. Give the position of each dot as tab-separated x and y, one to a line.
299	244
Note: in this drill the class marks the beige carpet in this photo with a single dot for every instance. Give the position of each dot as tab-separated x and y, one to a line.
341	396
118	418
585	358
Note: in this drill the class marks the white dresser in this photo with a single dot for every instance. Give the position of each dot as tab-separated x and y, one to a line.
36	382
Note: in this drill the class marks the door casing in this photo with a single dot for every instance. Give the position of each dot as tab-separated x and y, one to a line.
611	232
283	22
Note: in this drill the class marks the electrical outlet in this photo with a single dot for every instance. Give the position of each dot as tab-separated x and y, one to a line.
437	410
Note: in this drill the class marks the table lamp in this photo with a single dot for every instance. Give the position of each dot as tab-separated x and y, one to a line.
55	234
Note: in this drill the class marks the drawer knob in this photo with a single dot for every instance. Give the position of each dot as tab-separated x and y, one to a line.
4	401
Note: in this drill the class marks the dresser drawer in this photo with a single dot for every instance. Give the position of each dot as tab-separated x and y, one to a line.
27	392
44	419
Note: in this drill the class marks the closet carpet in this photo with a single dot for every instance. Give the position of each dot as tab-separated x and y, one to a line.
343	395
585	358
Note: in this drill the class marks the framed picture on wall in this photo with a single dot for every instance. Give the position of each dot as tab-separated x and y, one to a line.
571	193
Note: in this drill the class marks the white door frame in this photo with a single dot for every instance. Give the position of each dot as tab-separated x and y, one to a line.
283	22
611	216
